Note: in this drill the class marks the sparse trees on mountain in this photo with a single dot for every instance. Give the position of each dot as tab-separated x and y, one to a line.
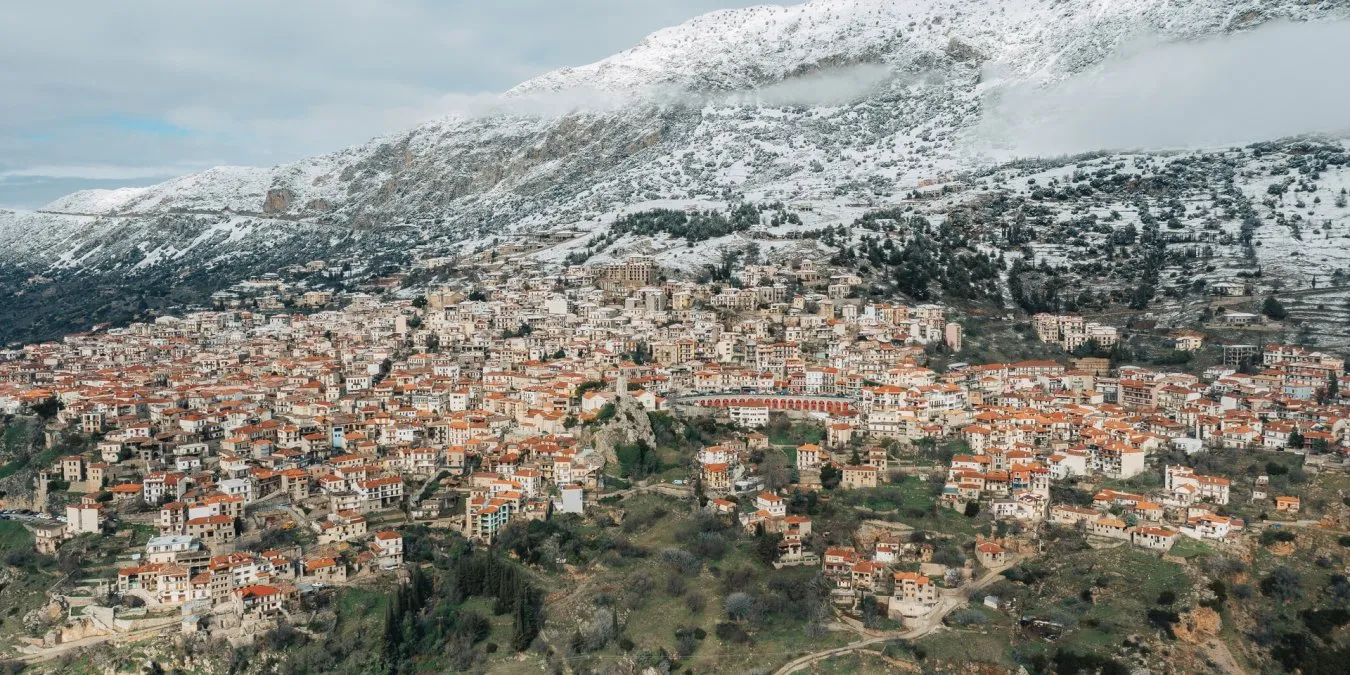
696	227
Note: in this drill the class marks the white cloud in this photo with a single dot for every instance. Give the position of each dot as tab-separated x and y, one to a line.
1276	81
259	82
99	171
826	87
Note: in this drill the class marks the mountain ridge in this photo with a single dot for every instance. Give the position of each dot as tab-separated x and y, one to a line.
830	102
730	51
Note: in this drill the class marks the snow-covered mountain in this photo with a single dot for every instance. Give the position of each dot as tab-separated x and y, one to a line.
932	52
840	101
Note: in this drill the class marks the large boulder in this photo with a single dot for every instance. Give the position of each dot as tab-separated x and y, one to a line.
278	200
629	425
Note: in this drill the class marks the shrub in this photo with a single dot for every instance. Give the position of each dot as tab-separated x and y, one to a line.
1282	584
603	628
1164	620
24	558
710	545
738	605
283	637
1220	591
683	561
1024	574
473	626
738	578
640	586
1224	566
685	645
949	555
1322	621
695	602
968	617
687	639
1274	535
901	649
1274	309
675	586
730	632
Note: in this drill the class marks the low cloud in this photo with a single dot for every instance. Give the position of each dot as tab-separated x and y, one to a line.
821	88
98	171
834	86
1276	81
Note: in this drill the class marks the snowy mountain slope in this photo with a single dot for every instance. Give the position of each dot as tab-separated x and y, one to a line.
845	102
744	48
720	52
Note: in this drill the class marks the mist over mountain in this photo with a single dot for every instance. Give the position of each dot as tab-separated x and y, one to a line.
1273	81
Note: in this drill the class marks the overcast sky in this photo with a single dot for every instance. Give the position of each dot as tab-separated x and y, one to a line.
130	93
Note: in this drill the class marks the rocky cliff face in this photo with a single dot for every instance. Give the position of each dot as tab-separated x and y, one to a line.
628	426
278	200
22	440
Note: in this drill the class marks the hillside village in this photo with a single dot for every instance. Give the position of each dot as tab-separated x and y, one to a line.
962	337
214	474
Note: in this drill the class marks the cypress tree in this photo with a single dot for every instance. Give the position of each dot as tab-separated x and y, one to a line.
518	622
451	588
527	619
490	576
393	632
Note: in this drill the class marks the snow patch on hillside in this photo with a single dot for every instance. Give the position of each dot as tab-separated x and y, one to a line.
96	201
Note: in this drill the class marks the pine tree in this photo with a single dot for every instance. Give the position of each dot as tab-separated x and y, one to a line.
1296	440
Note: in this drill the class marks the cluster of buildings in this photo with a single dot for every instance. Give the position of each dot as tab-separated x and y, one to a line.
1072	332
205	414
1070	425
344	418
905	593
1026	427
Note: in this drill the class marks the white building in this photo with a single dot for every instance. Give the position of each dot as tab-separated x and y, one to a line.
82	519
572	499
750	416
